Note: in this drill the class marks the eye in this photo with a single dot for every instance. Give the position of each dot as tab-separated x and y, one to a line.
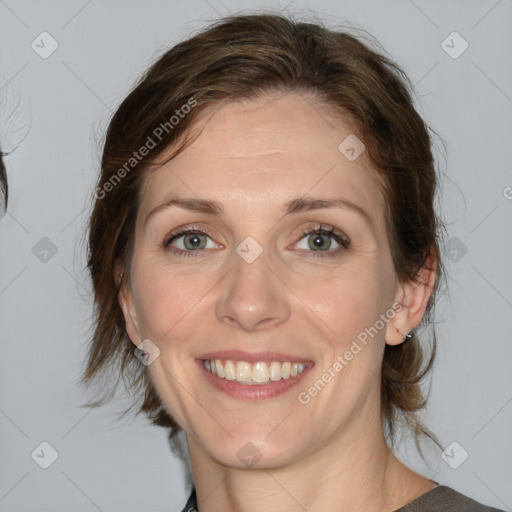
188	241
323	239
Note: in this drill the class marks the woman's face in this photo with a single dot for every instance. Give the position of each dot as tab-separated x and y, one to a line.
250	285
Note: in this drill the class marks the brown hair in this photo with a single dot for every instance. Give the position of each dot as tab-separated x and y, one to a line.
241	57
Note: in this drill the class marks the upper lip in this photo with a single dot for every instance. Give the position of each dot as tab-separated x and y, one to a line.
253	357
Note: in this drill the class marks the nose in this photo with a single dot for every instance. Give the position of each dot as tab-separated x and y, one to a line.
252	297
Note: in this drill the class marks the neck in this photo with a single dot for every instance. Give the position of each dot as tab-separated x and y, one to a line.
347	473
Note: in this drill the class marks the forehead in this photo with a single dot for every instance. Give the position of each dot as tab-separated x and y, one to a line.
270	149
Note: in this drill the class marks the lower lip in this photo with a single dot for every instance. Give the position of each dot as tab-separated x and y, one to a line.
252	391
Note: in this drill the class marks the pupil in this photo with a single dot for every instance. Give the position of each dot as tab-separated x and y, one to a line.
194	241
319	241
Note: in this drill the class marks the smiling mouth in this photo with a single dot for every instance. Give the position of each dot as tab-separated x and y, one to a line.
261	372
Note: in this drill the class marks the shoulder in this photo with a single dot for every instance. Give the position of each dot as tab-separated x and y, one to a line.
445	499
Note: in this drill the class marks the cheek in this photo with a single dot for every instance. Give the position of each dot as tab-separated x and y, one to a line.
164	298
350	305
348	300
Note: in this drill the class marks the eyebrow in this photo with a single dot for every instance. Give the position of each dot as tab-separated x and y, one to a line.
301	204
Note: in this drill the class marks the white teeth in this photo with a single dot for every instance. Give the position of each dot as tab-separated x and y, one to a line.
243	371
275	371
219	368
257	373
297	369
260	372
229	371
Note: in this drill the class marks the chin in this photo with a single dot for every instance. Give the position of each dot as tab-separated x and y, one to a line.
255	450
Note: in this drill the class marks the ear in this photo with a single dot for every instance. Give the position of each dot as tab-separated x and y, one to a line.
125	297
413	298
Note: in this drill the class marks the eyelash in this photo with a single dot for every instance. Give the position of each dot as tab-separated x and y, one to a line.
319	230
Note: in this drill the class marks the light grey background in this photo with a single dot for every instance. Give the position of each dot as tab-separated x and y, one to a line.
54	110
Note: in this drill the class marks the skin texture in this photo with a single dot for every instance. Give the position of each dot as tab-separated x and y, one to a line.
254	157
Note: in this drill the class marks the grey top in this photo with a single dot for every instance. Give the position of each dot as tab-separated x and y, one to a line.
438	499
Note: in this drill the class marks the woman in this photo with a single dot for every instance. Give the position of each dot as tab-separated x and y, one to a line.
264	234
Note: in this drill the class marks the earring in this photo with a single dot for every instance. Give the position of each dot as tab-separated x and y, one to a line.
405	337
